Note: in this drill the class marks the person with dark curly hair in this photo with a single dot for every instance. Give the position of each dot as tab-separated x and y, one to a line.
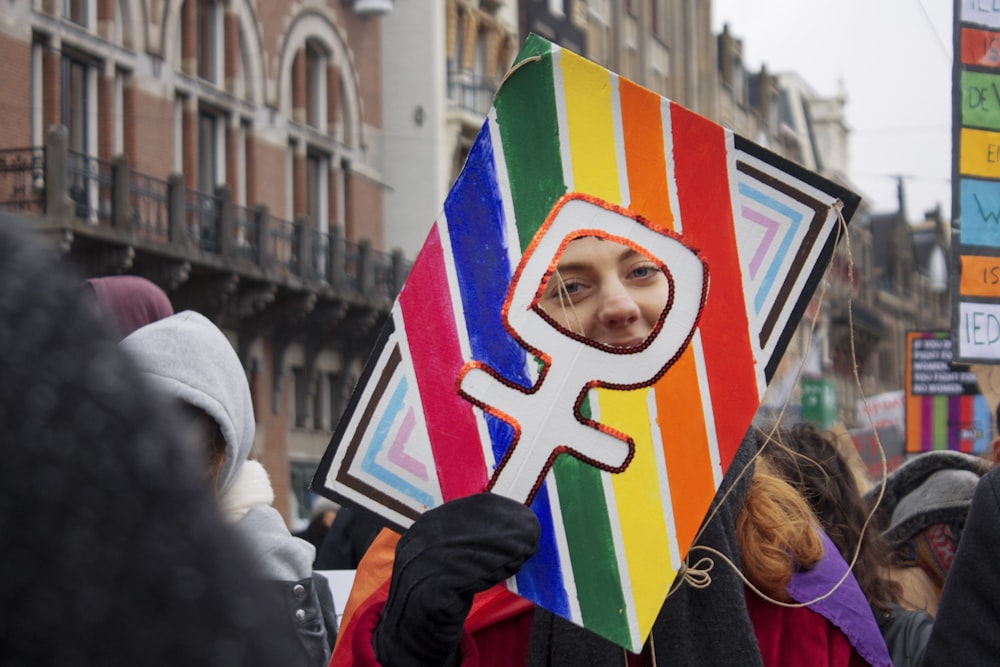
114	552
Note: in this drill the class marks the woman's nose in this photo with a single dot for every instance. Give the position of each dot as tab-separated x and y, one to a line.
618	308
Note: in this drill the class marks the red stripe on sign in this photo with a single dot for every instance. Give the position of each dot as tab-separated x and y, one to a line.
429	321
706	215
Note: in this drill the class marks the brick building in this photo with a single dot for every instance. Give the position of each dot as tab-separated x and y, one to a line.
230	151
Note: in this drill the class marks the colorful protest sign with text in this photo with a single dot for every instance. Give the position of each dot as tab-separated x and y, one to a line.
944	407
976	182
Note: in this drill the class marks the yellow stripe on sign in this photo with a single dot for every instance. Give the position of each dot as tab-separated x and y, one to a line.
637	495
980	153
587	91
980	276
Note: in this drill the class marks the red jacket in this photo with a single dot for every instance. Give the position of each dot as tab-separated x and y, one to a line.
499	625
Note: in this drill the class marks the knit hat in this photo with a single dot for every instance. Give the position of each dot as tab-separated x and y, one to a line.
130	301
933	488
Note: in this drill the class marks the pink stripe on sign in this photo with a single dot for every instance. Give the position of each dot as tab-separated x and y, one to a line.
771	229
397	451
429	322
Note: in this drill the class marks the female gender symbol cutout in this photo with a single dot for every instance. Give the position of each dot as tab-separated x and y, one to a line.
546	418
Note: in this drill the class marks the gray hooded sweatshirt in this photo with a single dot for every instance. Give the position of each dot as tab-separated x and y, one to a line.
190	359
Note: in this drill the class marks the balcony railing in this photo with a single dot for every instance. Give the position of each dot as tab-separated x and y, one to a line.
203	220
470	92
352	266
149	204
73	188
90	187
246	233
284	245
321	264
22	178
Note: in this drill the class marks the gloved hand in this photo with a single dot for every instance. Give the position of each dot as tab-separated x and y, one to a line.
450	553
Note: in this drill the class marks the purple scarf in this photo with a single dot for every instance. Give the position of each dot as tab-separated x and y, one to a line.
847	608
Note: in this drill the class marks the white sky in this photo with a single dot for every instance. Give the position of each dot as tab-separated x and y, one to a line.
894	58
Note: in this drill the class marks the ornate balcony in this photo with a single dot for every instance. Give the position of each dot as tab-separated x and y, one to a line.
246	269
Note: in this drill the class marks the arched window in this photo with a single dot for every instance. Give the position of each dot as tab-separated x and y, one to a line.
77	11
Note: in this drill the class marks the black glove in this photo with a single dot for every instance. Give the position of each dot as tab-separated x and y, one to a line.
449	554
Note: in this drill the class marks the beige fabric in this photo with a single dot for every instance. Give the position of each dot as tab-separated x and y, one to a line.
919	592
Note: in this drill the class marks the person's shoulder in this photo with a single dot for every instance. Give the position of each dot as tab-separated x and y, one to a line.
277	553
906	633
989	487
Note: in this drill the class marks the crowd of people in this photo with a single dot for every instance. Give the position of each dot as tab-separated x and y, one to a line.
140	528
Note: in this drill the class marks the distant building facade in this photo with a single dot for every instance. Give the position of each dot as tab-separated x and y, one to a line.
888	275
442	63
230	151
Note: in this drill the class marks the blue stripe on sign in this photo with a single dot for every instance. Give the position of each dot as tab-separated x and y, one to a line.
480	248
982	417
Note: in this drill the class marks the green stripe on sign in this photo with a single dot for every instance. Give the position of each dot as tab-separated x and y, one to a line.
940	422
529	131
592	546
592	549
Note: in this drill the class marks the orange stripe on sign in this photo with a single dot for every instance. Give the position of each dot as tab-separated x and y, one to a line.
678	398
914	404
642	128
685	446
980	276
706	215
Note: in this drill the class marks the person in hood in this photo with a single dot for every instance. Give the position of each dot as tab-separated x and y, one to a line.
922	515
192	361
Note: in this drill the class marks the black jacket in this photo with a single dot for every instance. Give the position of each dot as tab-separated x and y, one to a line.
967	627
905	632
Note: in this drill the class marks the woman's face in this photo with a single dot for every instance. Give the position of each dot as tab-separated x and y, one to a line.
606	292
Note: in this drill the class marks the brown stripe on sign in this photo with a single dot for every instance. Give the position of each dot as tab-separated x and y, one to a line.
343	475
798	262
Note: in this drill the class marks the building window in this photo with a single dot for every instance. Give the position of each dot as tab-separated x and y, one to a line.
327	401
557	8
75	94
599	32
334	405
317	200
76	11
297	398
78	112
210	149
316	98
774	111
210	33
658	19
318	206
178	134
739	81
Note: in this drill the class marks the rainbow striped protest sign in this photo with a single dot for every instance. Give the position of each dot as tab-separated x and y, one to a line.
619	451
945	407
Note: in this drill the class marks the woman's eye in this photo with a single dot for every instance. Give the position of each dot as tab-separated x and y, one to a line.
566	290
645	271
